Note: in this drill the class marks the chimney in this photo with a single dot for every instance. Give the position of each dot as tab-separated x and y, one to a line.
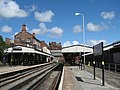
23	27
7	40
33	34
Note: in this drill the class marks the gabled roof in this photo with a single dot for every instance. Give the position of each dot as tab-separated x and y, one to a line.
77	45
77	48
29	34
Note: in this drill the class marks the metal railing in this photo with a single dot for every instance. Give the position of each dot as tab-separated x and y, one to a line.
109	66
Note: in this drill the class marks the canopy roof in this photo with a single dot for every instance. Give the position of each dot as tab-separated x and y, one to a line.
77	49
21	49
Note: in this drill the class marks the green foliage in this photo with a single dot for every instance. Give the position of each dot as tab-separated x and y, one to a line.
3	46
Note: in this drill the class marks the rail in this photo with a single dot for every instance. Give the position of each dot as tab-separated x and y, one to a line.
25	79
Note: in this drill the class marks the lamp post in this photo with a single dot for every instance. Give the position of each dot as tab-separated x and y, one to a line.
79	14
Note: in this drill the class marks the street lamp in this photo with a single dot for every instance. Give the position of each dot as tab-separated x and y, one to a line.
78	14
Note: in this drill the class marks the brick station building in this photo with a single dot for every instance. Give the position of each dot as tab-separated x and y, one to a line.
26	49
24	38
56	51
28	41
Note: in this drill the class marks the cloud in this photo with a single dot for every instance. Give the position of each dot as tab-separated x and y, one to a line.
30	8
10	9
33	8
16	33
77	29
6	29
56	32
41	30
75	42
44	16
36	31
68	43
108	15
42	25
95	42
53	32
96	27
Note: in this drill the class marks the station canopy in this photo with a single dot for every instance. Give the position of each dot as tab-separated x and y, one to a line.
21	49
77	49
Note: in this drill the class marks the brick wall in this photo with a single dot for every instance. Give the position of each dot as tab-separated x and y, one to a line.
43	44
55	46
24	38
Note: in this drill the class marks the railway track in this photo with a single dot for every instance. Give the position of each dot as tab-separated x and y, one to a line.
50	82
26	79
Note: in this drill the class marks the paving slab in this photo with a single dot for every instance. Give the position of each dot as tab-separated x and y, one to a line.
68	82
77	79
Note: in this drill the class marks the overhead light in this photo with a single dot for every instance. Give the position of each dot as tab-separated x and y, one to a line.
77	13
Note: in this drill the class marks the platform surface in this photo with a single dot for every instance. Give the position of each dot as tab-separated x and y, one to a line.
77	79
8	69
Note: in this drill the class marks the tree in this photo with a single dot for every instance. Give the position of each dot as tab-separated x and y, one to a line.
3	46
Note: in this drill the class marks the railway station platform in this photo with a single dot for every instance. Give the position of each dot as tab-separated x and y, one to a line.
74	78
9	69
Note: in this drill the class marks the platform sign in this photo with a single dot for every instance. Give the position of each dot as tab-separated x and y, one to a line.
17	48
98	49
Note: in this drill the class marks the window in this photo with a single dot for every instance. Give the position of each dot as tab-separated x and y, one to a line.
18	39
29	40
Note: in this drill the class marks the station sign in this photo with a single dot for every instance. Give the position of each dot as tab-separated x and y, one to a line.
98	49
17	48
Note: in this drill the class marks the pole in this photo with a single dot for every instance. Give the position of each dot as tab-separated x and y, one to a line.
78	14
83	39
80	60
103	73
94	69
11	60
81	64
103	64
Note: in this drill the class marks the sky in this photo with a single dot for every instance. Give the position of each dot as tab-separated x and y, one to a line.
55	20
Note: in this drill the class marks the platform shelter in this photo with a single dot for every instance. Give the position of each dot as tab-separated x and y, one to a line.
73	54
20	55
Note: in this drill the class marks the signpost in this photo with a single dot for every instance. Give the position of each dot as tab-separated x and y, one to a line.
98	51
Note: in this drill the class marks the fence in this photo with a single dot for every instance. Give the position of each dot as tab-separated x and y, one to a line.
109	66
